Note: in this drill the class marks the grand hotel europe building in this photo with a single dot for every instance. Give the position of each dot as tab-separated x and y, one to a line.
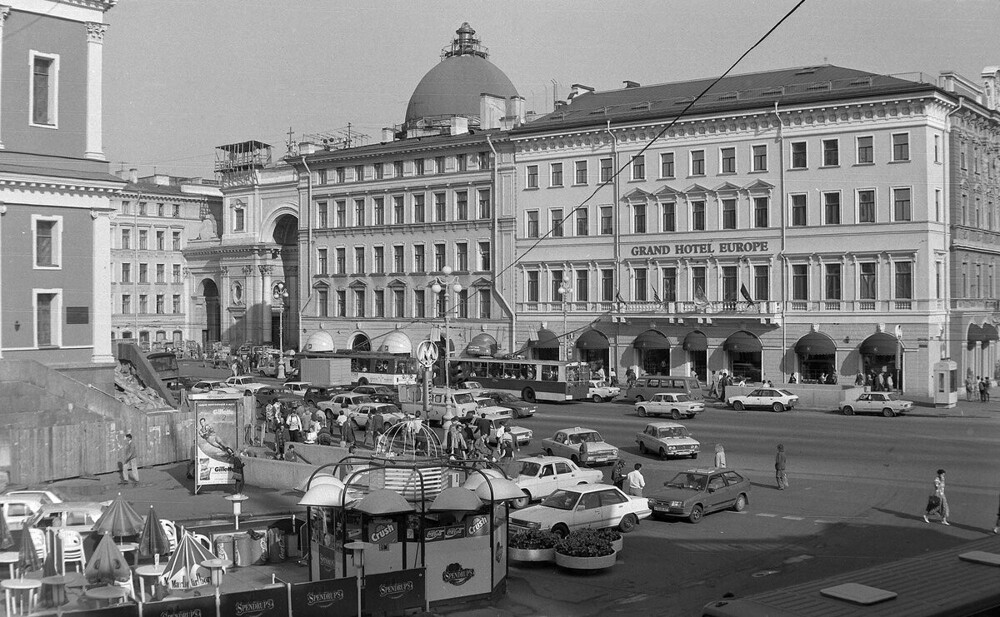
814	220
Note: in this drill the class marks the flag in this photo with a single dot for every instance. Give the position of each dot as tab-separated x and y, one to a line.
700	301
746	293
618	297
656	296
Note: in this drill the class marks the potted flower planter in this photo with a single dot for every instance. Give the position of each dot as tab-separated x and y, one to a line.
613	536
533	545
586	563
531	554
585	549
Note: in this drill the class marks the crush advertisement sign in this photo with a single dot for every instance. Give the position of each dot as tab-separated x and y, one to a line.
215	439
394	592
271	602
330	598
203	606
383	531
478	525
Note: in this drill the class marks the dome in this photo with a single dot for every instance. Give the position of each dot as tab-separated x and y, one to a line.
396	342
319	341
452	88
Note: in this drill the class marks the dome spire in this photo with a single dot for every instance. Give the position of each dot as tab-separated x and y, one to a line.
465	44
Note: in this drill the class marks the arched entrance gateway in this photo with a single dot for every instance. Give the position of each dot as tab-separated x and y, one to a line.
360	342
653	351
882	361
546	346
593	348
284	325
696	346
212	333
981	353
817	355
744	351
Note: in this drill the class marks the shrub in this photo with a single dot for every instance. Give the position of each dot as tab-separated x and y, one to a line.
610	534
533	539
585	543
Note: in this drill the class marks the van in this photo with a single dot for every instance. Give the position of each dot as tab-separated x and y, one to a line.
646	386
460	402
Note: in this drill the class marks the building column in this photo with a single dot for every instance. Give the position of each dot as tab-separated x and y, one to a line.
4	13
102	301
265	302
95	62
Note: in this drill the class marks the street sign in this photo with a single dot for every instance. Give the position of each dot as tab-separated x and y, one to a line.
427	353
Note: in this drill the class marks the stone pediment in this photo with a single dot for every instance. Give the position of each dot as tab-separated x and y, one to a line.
637	195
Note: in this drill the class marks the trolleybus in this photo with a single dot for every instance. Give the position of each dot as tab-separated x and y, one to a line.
532	380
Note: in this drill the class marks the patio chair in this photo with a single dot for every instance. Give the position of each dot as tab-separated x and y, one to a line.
170	529
204	541
72	550
41	546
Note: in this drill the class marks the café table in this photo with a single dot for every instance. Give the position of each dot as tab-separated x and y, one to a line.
10	559
107	595
130	547
218	567
151	572
57	587
20	591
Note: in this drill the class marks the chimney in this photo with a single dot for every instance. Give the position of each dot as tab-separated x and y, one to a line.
387	134
459	125
133	175
491	110
307	147
631	84
991	81
161	179
515	109
578	90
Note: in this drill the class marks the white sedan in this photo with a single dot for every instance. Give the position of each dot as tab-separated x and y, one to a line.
674	404
590	505
667	439
764	398
539	476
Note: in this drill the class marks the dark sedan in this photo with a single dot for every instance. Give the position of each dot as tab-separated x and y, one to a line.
519	408
693	493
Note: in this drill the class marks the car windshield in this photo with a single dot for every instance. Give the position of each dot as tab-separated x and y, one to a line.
463	397
672	431
530	468
591	437
562	500
687	480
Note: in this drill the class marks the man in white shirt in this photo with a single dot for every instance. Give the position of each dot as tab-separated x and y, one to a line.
635	482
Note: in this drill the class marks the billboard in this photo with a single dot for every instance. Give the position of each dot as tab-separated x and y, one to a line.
267	602
216	435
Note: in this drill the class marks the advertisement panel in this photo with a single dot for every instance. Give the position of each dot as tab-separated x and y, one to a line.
459	567
328	562
329	598
269	602
215	439
394	592
125	610
201	606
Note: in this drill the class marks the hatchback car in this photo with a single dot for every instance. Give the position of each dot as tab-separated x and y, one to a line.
317	394
540	476
246	383
590	505
40	495
361	415
269	394
671	404
693	493
16	510
379	394
583	446
667	439
519	408
764	398
348	401
885	403
212	385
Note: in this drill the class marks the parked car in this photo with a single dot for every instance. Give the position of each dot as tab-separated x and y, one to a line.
379	394
521	435
42	496
17	509
213	385
298	388
589	505
540	476
348	401
269	394
246	383
76	515
583	446
673	404
600	391
885	403
317	394
519	408
764	398
667	439
362	414
696	492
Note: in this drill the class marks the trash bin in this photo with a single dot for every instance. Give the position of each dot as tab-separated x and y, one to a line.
258	547
241	545
224	547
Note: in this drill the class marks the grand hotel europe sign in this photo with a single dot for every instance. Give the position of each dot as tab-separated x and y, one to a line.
701	248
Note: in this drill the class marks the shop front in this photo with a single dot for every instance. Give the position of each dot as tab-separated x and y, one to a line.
545	346
696	347
593	348
745	357
882	362
981	353
653	352
817	358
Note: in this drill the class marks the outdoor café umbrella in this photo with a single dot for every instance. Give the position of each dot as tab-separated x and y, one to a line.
153	540
6	540
184	569
27	555
107	564
120	519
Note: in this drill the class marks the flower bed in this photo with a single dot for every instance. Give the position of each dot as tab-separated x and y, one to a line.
585	549
532	545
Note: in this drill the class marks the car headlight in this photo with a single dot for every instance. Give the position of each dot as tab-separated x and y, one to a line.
676	504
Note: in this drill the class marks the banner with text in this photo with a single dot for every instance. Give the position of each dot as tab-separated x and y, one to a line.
202	606
327	598
394	592
268	602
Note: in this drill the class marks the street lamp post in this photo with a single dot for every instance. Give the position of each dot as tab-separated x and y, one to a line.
280	294
565	290
441	286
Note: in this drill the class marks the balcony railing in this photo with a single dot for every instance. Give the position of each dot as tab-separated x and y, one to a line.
742	308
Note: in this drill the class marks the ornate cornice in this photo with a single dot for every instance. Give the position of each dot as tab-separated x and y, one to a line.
95	32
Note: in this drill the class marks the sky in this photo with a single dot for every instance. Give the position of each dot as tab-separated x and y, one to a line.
182	77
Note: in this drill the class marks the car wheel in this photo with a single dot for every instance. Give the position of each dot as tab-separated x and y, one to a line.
642	448
628	523
696	514
638	398
521	502
675	414
362	381
778	407
739	406
741	503
888	413
560	530
663	453
848	411
597	398
548	451
641	411
528	395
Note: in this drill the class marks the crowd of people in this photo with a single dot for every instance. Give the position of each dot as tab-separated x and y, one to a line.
979	387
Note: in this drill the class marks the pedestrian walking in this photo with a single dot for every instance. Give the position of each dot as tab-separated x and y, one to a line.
128	463
937	503
986	389
968	388
780	461
720	456
618	474
996	525
347	431
982	390
635	481
294	427
342	425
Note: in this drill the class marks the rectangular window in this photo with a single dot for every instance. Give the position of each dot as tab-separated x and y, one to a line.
379	204
143	239
159	210
341	175
761	283
322	176
44	90
462	162
126	273
556	222
126	304
904	280
866	151
760	157
668	289
532	286
341	261
440	257
159	304
48	332
462	256
175	273
359	173
48	241
531	224
582	290
359	213
176	211
160	241
556	277
727	160
485	204
142	208
418	208
669	216
868	283
639	218
462	205
833	285
398	303
607	221
322	215
419	167
463	304
798	210
698	282
831	208
323	303
176	240
379	303
901	205
359	302
419	303
441	207
398	216
485	257
667	165
419	258
900	146
341	303
555	174
582	221
397	169
581	172
378	267
143	304
607	170
161	273
866	206
698	216
607	285
800	282
697	162
126	239
143	273
359	260
398	259
937	149
126	207
641	285
729	214
799	158
483	160
341	214
761	218
730	283
531	178
485	307
831	152
639	167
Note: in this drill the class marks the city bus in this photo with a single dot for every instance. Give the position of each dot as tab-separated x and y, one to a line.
368	367
532	380
963	581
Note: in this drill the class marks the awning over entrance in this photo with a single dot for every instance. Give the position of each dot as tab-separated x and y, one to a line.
695	341
547	339
592	339
816	344
982	334
651	339
880	344
396	342
742	341
482	344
